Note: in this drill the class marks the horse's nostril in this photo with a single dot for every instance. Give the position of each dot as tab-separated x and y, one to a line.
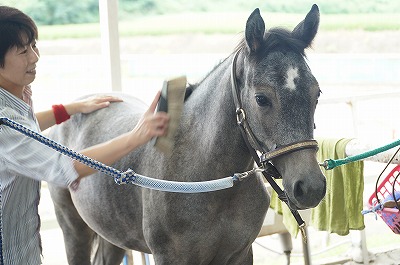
298	189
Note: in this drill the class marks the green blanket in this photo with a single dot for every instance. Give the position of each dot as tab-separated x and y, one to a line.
340	210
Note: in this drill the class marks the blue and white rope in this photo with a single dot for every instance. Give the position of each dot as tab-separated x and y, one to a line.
130	176
182	187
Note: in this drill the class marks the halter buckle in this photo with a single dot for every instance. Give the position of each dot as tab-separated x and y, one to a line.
240	116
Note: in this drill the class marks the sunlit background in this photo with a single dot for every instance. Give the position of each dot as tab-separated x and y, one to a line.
355	57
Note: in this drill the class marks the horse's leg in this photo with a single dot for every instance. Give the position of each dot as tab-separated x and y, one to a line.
78	237
107	253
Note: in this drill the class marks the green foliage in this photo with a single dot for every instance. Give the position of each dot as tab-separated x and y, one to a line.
223	23
137	6
51	12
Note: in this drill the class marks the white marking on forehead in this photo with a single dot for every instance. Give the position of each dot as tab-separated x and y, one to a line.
291	74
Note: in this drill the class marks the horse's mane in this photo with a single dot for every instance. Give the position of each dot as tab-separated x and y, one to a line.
277	39
191	87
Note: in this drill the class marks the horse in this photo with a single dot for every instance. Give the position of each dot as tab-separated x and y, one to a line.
278	96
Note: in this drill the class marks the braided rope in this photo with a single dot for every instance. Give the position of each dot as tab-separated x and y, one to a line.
330	163
129	176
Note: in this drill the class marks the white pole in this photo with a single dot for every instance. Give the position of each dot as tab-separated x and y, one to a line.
108	10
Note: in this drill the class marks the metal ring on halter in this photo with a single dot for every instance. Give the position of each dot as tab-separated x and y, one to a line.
240	116
242	176
324	164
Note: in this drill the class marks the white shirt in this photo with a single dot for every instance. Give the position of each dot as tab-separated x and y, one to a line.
24	162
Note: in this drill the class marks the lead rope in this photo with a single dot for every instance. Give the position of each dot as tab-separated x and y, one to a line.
330	163
130	176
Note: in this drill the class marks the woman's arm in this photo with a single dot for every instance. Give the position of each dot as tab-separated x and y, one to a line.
150	125
47	118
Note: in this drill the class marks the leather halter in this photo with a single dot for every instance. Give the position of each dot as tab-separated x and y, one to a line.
264	160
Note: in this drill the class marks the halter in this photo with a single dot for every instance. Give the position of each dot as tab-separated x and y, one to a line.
264	160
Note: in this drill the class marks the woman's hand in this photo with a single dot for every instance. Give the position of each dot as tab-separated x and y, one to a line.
151	124
47	118
91	104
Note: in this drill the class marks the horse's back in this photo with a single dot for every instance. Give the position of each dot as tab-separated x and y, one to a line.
84	130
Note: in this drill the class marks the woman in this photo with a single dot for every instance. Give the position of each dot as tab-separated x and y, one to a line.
25	162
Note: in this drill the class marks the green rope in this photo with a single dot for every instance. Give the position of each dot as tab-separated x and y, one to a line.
330	163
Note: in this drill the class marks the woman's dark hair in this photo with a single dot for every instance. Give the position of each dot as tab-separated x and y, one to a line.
14	26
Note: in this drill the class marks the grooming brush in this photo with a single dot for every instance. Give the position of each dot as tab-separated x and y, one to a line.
171	101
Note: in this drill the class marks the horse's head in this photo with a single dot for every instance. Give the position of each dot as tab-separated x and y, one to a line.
279	94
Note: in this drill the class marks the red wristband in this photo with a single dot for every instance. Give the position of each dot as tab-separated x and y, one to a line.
60	113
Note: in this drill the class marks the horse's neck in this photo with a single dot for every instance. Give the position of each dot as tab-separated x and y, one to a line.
211	103
209	123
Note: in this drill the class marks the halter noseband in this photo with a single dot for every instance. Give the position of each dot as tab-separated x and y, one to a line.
264	160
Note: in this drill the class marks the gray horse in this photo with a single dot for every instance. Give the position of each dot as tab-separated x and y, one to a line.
279	94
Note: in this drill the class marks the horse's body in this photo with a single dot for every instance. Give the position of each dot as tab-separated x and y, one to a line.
279	94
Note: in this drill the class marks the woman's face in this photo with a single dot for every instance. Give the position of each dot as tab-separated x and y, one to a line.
19	67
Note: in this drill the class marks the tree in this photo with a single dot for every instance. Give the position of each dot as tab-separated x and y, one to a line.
50	12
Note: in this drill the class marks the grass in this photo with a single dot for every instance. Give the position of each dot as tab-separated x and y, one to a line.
221	23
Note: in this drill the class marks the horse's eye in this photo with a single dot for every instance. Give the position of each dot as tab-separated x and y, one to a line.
263	101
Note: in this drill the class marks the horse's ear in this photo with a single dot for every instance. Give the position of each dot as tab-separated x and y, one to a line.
307	29
255	28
